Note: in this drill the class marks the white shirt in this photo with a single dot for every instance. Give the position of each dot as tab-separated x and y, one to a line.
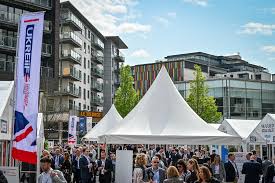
56	163
46	177
273	179
217	169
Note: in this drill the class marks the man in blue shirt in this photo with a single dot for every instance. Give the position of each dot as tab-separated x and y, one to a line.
155	173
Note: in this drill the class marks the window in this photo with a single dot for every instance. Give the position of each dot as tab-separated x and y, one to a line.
89	49
50	105
84	81
88	94
88	79
84	63
70	104
88	108
84	47
89	34
84	106
88	64
85	31
79	106
79	91
84	94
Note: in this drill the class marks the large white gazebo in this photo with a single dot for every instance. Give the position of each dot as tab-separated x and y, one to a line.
163	117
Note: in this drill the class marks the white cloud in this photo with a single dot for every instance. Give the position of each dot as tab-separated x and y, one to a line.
112	17
269	49
172	14
161	20
197	2
127	27
254	28
141	53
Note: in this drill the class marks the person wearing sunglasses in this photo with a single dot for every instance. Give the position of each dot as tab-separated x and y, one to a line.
182	168
155	174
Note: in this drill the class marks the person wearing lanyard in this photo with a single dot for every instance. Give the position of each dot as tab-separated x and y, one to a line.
49	175
85	167
155	173
76	167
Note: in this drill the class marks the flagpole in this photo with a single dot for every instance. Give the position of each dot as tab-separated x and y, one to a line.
14	87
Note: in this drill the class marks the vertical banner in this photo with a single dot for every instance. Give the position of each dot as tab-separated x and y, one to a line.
27	87
82	125
72	130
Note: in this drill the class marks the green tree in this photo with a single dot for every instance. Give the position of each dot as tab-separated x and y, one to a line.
199	100
126	97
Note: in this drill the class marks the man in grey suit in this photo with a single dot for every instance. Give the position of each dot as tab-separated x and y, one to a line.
48	174
155	173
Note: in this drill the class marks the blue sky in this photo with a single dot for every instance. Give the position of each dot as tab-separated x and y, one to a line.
153	29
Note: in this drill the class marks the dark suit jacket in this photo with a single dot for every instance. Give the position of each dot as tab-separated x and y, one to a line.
84	170
229	172
162	174
107	177
252	171
61	161
74	164
192	178
270	173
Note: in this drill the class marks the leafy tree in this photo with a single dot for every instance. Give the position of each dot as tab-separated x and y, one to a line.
199	100
126	97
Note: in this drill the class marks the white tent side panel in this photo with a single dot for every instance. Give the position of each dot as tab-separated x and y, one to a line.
267	128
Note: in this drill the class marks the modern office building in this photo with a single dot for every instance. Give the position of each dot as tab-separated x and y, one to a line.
238	98
10	12
181	68
113	59
80	74
242	90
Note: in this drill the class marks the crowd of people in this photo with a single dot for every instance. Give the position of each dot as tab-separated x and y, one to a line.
86	164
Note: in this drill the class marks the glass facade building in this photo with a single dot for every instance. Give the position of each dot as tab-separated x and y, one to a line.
237	98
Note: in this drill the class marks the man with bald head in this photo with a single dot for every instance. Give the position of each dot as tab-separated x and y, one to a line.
252	170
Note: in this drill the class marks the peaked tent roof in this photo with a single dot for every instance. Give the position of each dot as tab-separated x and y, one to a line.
163	117
266	128
242	128
108	122
6	88
216	126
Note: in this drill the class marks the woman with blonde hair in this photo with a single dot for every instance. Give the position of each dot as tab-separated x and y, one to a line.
218	169
139	170
173	176
193	167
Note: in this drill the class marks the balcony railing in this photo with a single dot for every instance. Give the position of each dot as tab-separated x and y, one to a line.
46	72
8	41
96	71
46	49
97	86
96	100
72	73
13	18
74	92
71	55
69	17
98	44
98	59
71	36
46	3
119	56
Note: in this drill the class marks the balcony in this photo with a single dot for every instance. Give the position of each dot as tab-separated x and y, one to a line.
97	101
70	91
98	59
97	86
97	72
8	42
69	19
98	45
71	38
11	21
71	73
38	4
46	50
46	72
119	57
71	56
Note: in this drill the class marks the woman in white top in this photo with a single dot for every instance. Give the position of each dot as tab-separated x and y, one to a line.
139	170
217	167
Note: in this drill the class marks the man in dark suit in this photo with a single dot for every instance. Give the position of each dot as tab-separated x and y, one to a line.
155	173
57	160
266	163
85	167
270	174
76	166
105	168
252	170
258	159
231	169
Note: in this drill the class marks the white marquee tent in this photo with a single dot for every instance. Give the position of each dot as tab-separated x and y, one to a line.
108	122
163	117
